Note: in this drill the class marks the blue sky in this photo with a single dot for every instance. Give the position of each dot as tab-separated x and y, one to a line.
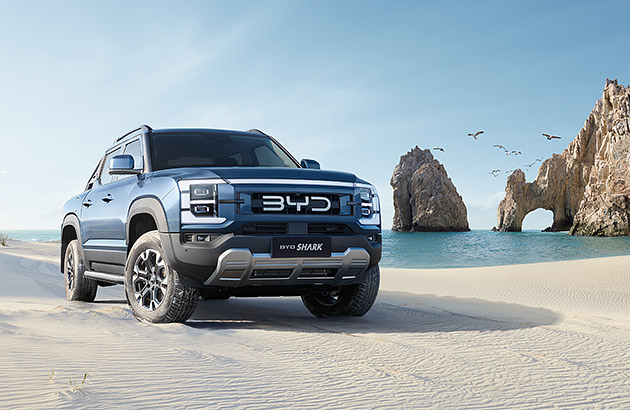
353	84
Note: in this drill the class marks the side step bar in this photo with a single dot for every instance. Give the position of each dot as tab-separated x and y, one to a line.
105	277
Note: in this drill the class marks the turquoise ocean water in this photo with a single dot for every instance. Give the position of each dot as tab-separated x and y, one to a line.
462	249
42	235
486	248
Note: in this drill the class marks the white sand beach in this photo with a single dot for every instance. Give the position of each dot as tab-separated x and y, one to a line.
538	336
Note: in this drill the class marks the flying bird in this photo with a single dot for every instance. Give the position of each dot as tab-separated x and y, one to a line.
495	172
474	135
499	146
550	137
516	152
510	171
538	160
439	149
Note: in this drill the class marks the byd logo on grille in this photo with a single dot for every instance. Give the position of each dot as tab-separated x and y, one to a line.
278	203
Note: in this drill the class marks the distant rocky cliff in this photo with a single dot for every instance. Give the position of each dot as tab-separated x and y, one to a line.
425	199
587	187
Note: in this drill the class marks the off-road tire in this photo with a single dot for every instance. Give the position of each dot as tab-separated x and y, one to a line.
78	287
177	303
353	300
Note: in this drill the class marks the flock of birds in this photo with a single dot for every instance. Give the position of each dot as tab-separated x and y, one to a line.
507	151
496	172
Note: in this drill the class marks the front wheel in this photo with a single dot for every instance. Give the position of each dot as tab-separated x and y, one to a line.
153	289
353	300
78	287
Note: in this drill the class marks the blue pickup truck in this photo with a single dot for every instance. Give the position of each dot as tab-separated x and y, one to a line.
178	214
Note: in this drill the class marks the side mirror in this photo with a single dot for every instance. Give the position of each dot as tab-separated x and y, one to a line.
122	165
310	163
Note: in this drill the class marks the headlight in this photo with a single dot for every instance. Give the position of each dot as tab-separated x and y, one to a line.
203	200
202	192
365	195
200	201
370	206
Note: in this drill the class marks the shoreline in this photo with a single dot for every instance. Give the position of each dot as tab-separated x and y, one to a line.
526	264
21	244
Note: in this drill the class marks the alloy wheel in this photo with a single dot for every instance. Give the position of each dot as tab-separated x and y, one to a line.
149	280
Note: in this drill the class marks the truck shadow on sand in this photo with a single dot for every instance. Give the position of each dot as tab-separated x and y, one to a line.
394	312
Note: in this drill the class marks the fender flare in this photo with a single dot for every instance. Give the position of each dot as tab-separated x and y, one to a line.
151	206
71	220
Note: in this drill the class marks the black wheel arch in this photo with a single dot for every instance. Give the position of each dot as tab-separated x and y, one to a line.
70	230
145	214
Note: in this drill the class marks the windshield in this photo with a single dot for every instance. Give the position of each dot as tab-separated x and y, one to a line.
214	149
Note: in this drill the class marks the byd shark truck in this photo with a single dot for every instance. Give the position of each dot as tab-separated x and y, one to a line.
179	214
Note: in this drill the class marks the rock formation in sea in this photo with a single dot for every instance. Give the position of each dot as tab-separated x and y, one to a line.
425	199
587	186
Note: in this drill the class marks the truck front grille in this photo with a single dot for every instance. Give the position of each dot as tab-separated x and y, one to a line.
297	204
265	228
271	228
328	229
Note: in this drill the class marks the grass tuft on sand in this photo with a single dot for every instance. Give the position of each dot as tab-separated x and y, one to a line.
75	386
4	239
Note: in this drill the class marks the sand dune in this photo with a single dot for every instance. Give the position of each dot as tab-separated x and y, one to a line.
552	335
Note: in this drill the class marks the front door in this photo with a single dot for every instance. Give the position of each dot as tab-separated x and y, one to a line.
103	217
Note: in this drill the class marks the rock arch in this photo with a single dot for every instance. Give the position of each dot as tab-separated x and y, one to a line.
587	186
523	197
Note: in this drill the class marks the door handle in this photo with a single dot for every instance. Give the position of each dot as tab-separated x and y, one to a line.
108	198
87	203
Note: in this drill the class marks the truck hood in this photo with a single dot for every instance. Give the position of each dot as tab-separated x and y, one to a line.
261	173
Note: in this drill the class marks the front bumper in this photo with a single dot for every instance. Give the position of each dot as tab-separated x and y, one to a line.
240	267
245	260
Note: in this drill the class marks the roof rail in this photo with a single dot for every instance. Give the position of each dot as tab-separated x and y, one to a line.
143	127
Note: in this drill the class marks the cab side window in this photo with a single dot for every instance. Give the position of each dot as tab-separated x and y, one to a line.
105	177
134	149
